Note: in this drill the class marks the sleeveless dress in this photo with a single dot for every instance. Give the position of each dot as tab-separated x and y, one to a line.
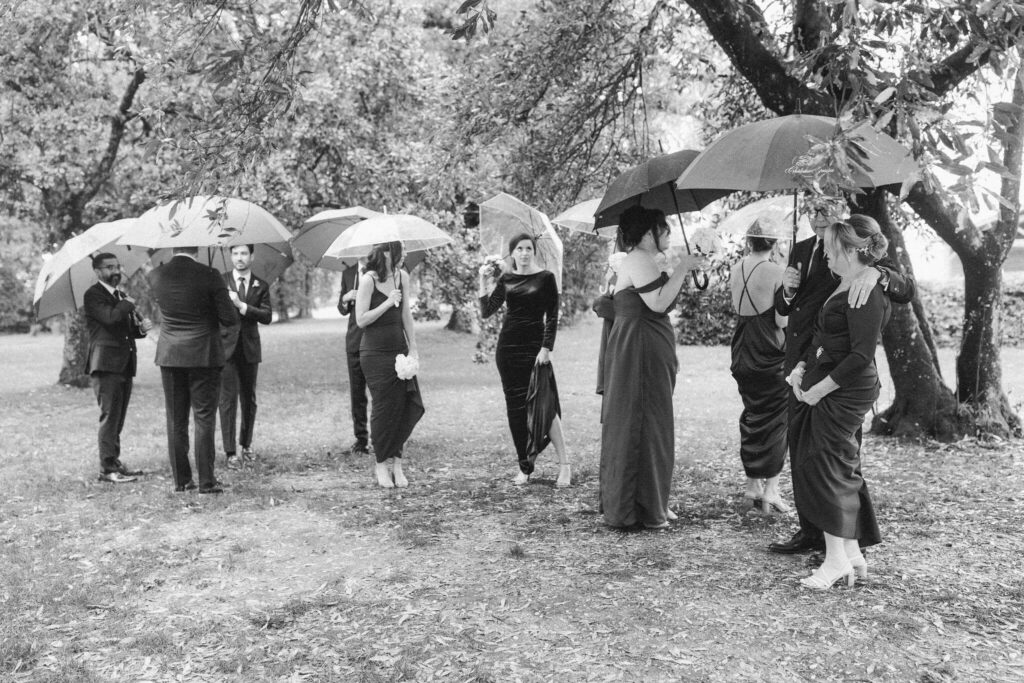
530	323
396	405
828	487
758	357
637	421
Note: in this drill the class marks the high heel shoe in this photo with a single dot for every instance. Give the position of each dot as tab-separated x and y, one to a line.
771	504
822	579
860	566
670	516
522	479
383	476
564	476
400	480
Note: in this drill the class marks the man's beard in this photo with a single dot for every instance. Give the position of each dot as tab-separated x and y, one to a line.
114	279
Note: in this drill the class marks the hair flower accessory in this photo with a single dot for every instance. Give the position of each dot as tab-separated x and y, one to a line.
406	367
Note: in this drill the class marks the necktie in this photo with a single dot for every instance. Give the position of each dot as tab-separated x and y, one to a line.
241	288
817	256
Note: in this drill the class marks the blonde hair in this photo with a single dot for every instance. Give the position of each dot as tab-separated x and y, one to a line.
860	234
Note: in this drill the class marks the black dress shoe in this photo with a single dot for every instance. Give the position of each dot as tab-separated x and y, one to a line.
116	478
188	486
212	489
121	469
800	543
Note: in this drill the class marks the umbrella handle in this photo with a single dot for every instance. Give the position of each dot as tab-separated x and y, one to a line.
697	283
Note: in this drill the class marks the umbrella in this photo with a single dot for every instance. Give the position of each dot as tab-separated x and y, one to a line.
320	231
652	185
269	261
413	232
757	156
578	218
773	212
64	278
503	216
205	221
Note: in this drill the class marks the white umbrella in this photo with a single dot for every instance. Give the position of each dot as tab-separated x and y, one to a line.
64	278
503	216
269	261
205	221
321	230
413	232
776	212
580	217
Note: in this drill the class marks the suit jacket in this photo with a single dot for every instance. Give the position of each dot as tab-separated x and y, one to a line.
354	336
817	283
247	332
194	304
112	332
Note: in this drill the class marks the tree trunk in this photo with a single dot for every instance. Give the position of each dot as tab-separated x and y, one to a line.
923	404
461	320
979	372
76	348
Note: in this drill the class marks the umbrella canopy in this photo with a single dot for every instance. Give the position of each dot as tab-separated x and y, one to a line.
652	185
64	278
503	216
205	221
413	232
578	218
757	156
320	231
774	213
269	261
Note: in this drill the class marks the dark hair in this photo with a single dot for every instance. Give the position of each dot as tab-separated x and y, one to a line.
98	259
514	242
635	222
861	234
758	244
250	247
376	261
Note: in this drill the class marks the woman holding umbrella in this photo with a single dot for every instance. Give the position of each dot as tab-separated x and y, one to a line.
526	340
382	311
640	365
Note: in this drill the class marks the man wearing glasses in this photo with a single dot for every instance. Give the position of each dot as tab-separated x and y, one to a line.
807	284
113	326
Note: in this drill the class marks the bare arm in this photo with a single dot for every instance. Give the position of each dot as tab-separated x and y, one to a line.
364	314
407	322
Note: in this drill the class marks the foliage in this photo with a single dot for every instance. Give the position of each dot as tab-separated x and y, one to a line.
15	298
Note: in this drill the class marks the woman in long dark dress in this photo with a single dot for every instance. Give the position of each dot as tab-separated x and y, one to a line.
527	338
637	425
382	311
758	356
836	384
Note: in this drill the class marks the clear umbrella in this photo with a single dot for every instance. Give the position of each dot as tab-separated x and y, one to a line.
503	216
205	221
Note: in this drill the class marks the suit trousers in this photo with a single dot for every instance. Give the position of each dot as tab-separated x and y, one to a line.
113	391
237	385
196	389
357	398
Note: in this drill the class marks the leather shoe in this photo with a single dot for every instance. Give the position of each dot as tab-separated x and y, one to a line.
359	448
187	486
115	478
800	543
121	469
212	489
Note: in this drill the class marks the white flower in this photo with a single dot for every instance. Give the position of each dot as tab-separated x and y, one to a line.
615	260
706	241
406	367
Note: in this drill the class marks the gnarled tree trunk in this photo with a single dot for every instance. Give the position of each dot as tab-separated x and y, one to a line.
76	348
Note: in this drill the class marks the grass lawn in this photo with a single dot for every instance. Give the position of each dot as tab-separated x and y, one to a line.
305	570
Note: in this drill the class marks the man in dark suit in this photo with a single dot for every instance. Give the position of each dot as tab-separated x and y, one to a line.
807	284
243	352
194	305
354	336
113	326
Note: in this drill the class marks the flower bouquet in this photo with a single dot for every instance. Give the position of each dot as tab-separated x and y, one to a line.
493	266
406	367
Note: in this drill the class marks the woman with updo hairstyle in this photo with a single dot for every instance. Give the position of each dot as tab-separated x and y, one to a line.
382	311
640	365
526	340
836	384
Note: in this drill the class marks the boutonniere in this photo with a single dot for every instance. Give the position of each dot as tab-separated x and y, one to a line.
255	284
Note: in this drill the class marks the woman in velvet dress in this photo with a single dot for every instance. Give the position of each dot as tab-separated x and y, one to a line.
382	311
637	426
836	384
758	356
527	338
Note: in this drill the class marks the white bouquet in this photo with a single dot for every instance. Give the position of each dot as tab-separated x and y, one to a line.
706	241
406	367
493	266
615	260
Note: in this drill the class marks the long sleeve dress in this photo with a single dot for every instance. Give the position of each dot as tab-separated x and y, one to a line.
530	323
828	487
637	421
396	405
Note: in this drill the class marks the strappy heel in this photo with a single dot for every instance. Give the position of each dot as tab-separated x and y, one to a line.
564	476
383	476
769	505
821	579
860	566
